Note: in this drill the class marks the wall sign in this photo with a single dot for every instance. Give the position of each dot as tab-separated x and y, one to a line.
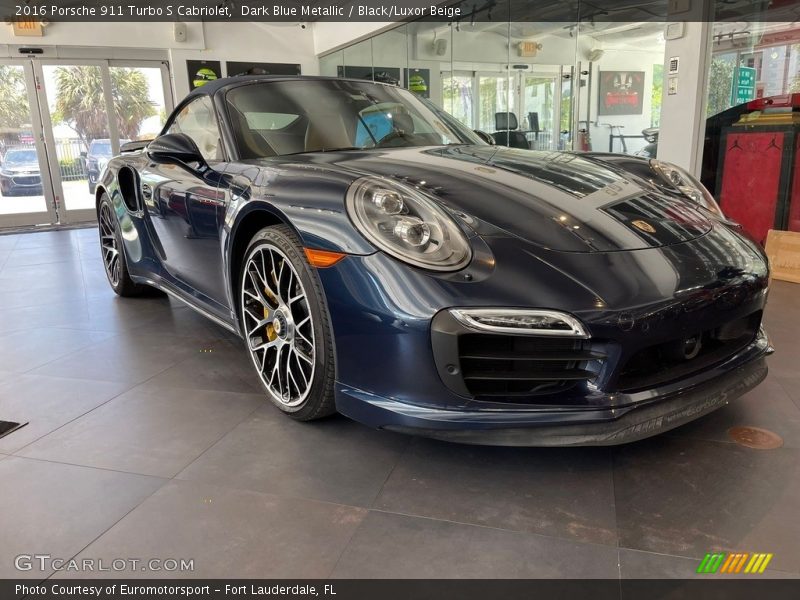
621	93
235	68
744	86
418	81
202	71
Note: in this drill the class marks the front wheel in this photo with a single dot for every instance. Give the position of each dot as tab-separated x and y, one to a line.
286	326
113	252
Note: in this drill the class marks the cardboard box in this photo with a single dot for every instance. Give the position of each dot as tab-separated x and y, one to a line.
783	250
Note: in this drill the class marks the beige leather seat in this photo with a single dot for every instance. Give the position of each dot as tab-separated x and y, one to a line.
326	132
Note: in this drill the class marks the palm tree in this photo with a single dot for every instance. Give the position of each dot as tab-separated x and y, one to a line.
15	111
81	105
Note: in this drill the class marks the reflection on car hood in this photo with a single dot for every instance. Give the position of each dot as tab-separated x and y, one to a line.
557	200
21	167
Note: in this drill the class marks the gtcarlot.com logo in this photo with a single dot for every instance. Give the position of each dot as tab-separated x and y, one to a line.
734	563
45	562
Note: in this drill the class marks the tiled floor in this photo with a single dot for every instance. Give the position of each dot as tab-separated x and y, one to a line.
149	438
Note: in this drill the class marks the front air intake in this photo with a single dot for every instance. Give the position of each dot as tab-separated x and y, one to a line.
498	360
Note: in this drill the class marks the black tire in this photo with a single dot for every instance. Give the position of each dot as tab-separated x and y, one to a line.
319	397
116	267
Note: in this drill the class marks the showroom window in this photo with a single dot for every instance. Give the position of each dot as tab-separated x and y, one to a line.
584	85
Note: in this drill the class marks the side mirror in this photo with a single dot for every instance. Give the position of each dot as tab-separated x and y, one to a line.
176	147
485	137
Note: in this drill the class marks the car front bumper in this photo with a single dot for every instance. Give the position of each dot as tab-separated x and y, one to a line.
12	186
645	414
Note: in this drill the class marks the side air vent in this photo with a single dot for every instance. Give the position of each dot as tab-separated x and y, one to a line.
129	188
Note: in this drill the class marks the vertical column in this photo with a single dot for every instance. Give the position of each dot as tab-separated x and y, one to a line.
683	106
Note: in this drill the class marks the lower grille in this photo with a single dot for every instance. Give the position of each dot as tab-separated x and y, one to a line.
663	363
520	367
32	180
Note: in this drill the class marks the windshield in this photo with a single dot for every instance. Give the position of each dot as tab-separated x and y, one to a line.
100	148
291	117
20	157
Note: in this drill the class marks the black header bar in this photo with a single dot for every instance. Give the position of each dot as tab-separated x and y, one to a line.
707	588
450	11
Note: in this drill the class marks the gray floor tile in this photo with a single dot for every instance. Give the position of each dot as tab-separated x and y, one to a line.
32	257
688	497
127	356
791	385
21	351
232	533
768	406
335	460
57	509
558	492
45	238
8	242
155	431
398	546
47	403
155	316
222	366
71	314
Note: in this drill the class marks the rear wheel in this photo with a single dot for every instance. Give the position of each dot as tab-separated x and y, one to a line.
113	251
286	325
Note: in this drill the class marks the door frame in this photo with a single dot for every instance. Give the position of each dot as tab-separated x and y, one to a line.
37	131
556	75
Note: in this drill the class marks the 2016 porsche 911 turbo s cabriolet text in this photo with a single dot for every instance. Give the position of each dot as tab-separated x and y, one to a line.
383	261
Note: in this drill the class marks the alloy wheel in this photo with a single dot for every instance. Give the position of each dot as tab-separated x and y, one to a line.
278	325
108	243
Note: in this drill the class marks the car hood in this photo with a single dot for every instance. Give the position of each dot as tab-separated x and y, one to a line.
21	168
557	200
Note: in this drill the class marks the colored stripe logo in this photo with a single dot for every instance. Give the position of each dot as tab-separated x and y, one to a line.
734	562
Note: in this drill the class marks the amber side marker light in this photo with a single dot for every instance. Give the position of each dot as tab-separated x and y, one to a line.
323	258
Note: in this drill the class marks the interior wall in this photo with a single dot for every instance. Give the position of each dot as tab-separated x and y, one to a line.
331	35
246	41
110	35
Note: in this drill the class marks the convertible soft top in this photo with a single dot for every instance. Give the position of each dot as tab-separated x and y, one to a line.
210	88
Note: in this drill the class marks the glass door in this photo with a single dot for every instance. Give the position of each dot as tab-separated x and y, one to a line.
494	96
92	108
539	102
25	192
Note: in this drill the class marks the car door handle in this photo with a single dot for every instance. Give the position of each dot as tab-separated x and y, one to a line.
147	192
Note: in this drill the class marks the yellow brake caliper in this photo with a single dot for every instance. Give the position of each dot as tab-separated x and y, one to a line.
271	335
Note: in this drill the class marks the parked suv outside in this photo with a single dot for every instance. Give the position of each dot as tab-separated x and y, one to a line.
96	159
19	172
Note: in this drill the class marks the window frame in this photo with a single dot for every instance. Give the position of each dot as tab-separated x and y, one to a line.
217	119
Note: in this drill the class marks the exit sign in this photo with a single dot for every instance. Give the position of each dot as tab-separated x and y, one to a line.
744	86
528	49
29	28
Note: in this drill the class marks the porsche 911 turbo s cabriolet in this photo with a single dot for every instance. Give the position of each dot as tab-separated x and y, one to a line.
381	260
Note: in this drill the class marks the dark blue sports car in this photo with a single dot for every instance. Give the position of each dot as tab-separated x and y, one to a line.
383	261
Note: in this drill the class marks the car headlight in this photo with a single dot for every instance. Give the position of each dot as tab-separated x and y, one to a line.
685	183
407	224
